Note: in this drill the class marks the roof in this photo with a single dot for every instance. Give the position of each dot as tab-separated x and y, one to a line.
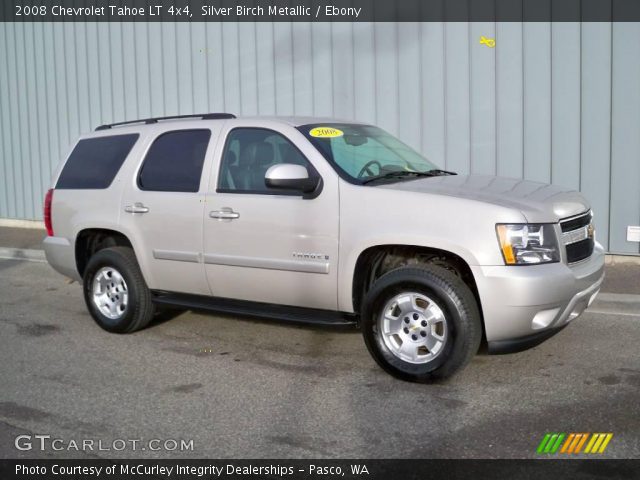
294	121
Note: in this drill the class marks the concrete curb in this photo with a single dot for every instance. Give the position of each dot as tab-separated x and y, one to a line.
624	304
618	297
612	259
22	254
17	223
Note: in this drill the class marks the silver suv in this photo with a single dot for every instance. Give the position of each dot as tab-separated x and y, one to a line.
322	221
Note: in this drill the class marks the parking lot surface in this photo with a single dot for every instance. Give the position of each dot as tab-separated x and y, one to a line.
243	388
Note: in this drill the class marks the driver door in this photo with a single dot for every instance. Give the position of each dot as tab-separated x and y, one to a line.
268	245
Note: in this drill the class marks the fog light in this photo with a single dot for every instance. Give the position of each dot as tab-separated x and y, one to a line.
544	318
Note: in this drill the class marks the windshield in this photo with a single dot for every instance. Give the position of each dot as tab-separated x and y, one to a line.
362	152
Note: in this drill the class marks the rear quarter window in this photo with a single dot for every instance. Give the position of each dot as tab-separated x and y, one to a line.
94	162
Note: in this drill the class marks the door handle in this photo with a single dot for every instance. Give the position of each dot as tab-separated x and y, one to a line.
136	208
225	213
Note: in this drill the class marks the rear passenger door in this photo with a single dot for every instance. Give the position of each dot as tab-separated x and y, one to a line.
162	209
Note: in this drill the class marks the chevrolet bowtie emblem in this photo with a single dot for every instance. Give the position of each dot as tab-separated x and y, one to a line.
489	42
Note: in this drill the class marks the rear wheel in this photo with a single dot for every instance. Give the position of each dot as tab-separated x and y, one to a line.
115	291
421	324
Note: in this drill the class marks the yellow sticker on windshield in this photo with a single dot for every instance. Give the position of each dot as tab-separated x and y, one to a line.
325	132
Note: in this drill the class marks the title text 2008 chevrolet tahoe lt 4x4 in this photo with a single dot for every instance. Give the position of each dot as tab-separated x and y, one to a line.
323	221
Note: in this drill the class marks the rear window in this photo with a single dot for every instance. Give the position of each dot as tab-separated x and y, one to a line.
95	162
174	162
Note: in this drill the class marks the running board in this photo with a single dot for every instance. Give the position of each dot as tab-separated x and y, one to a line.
255	309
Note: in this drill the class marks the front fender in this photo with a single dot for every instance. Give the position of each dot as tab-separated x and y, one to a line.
349	260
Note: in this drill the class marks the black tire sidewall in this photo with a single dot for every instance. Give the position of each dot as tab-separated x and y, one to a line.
445	294
111	258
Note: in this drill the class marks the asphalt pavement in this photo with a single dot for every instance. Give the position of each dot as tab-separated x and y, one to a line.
242	388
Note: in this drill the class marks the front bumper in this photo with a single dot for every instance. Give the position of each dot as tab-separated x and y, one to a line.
501	347
524	305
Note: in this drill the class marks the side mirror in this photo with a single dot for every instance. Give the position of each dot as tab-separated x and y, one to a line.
289	176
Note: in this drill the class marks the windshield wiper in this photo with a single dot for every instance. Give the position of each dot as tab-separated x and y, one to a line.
436	172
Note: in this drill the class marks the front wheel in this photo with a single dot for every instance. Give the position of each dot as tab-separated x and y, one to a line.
421	324
115	291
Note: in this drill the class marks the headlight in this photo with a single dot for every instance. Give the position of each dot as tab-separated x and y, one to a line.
523	244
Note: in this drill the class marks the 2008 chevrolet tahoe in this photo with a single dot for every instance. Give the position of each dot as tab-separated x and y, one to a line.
319	220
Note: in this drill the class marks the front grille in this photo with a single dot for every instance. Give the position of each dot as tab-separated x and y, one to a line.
578	237
579	250
574	223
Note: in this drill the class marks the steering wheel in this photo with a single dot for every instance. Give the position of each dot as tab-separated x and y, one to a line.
367	168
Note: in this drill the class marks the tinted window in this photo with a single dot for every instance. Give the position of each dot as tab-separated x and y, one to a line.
95	162
249	152
174	162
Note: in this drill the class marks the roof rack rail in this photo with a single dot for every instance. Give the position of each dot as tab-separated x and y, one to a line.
203	116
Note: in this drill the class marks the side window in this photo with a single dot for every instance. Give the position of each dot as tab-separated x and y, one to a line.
174	161
248	154
95	162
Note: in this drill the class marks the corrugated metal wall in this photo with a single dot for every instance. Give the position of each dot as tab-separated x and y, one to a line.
555	102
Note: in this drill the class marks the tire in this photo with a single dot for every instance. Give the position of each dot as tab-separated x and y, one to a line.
421	324
124	303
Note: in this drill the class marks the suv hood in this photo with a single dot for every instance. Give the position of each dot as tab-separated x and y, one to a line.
538	202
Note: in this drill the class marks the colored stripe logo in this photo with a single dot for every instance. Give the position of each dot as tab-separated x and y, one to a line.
574	443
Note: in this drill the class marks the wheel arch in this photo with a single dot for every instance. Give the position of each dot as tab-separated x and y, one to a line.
374	261
91	240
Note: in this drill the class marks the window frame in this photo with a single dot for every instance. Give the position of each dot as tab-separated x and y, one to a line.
146	157
311	170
